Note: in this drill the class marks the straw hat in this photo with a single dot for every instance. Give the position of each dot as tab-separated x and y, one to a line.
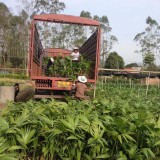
76	48
82	79
52	60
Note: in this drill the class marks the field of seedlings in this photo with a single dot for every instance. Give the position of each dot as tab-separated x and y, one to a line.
121	123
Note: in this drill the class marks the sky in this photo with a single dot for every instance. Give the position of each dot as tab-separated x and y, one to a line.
127	18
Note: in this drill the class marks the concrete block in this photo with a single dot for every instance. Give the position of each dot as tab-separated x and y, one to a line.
6	93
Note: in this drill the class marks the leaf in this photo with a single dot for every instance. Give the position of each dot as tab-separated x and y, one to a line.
25	136
46	120
84	119
147	152
126	136
8	157
14	148
120	138
56	132
78	155
88	157
67	125
121	156
72	137
91	141
157	143
76	122
151	153
3	124
103	156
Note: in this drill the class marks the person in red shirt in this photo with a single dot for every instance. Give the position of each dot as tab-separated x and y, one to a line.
81	88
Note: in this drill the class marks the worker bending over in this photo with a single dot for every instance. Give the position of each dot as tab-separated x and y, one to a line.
23	95
81	88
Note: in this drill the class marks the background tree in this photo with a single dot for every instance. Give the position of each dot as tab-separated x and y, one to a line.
114	61
149	40
5	17
13	37
47	29
131	65
15	31
151	67
107	39
148	59
48	7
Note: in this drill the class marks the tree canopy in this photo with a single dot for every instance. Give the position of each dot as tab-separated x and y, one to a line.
149	40
15	29
107	39
114	61
131	65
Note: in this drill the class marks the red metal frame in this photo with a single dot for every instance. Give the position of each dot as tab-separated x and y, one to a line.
43	82
30	48
53	52
98	54
69	19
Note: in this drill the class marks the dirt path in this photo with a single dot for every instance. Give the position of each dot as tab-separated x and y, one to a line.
2	106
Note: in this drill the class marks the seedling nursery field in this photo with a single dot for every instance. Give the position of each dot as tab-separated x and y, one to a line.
121	123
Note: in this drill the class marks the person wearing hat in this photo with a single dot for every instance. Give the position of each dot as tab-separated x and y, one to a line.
81	88
23	95
16	86
49	64
75	54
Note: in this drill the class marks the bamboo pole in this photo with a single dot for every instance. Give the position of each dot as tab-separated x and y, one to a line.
123	70
158	83
147	81
130	82
94	92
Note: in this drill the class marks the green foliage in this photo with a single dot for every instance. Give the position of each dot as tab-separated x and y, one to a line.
114	61
65	67
68	36
16	62
48	7
118	124
131	65
151	67
148	59
14	76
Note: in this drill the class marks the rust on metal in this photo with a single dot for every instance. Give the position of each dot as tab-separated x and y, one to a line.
57	50
59	18
54	52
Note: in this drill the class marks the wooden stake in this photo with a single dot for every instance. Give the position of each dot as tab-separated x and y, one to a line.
147	81
94	92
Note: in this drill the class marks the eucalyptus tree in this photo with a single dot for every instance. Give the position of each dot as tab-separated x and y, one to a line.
149	40
149	59
5	17
107	39
18	46
68	36
47	7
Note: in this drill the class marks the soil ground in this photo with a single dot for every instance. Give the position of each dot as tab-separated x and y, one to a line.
2	106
